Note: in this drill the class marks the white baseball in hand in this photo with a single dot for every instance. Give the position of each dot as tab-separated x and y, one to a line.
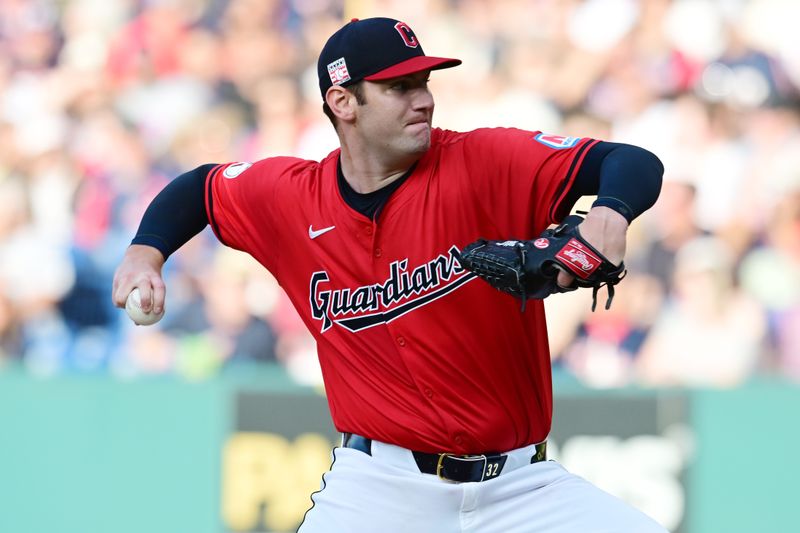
133	306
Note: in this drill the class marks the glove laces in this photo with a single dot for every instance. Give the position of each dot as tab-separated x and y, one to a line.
610	286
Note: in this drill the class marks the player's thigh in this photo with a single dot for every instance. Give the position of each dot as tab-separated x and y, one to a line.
545	498
362	495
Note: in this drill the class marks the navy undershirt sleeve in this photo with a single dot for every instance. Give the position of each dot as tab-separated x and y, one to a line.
624	177
176	214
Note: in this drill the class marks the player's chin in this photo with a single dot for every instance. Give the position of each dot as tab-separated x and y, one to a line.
420	138
420	147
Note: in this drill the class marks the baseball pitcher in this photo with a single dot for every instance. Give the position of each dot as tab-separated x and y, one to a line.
392	249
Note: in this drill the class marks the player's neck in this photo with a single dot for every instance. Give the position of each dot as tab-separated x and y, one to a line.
367	173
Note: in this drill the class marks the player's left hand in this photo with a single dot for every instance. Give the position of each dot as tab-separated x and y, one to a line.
606	231
560	259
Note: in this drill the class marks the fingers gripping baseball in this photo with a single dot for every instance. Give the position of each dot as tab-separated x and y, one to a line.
138	284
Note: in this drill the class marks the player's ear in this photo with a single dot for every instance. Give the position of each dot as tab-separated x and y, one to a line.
342	103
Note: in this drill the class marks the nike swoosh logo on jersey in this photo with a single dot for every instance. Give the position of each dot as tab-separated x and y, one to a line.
316	233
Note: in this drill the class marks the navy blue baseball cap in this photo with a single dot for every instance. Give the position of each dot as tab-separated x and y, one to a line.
373	49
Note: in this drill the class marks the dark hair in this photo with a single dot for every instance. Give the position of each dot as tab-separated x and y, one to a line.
358	91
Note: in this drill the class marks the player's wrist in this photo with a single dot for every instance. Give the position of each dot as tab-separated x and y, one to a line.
147	254
616	205
606	230
607	217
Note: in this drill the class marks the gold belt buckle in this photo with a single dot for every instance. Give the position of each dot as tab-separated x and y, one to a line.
439	465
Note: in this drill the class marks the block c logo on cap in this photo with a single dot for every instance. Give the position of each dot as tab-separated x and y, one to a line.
337	70
407	34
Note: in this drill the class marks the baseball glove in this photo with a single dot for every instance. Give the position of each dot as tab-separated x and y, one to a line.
528	269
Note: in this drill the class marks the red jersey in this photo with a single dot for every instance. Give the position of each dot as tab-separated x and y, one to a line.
414	350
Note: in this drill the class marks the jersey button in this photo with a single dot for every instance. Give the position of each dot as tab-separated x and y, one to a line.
368	231
429	393
378	252
401	341
459	440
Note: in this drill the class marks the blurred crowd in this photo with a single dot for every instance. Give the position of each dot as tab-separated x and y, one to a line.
103	102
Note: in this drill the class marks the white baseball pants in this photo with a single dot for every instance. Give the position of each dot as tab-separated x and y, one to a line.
386	493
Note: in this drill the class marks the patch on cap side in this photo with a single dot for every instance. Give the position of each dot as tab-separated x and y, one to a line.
338	71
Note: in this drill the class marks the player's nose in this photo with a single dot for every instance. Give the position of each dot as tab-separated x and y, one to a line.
423	100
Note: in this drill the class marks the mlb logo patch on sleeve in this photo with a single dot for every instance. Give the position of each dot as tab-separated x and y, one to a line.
235	169
556	141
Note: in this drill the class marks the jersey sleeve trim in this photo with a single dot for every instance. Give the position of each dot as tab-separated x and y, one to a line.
210	202
555	215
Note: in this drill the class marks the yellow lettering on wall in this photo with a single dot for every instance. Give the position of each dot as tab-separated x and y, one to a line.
267	480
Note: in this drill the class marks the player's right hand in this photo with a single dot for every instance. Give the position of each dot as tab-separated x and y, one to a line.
140	268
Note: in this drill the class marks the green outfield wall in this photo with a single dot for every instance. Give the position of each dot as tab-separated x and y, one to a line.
84	454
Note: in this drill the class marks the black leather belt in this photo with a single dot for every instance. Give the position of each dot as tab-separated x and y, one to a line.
461	468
